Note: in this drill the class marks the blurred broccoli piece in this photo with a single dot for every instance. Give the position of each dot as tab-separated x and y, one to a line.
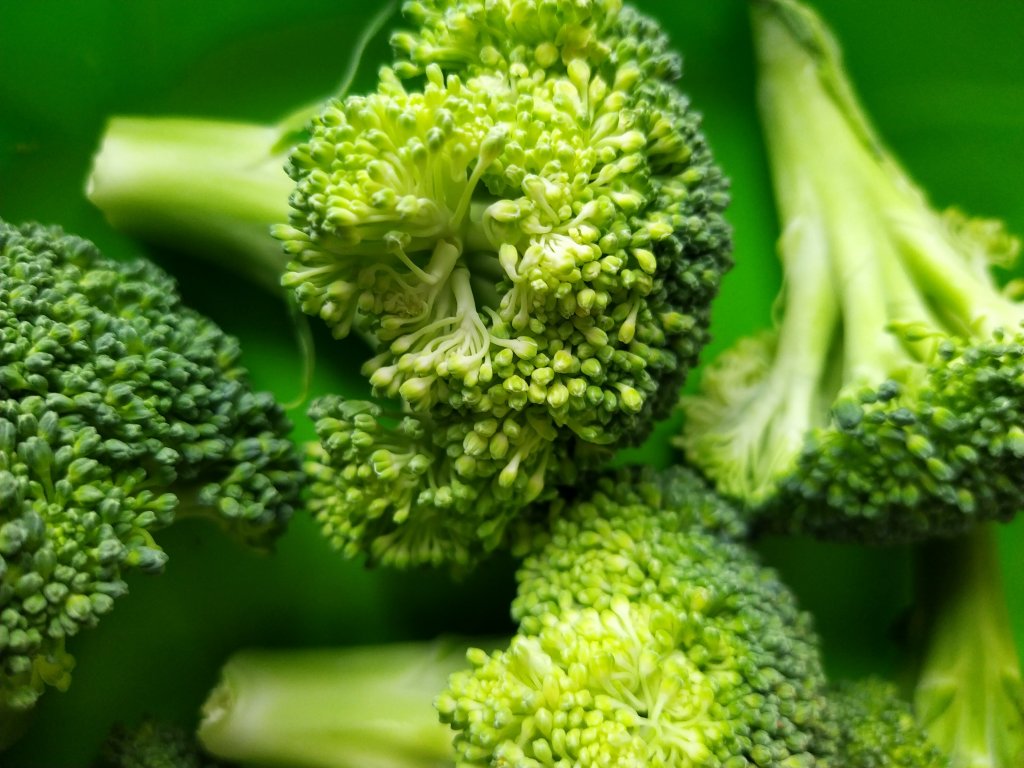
643	639
154	744
969	691
878	729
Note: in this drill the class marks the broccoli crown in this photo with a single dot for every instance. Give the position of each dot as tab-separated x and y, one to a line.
154	744
646	640
529	250
119	408
887	403
877	728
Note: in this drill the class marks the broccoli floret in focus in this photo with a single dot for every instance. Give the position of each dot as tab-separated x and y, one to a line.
887	404
644	638
524	221
120	411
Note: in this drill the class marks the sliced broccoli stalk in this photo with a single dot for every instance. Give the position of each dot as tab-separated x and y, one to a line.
886	403
120	408
335	708
201	185
969	694
210	187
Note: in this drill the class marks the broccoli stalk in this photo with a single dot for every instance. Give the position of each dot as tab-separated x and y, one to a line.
210	186
969	694
336	708
887	402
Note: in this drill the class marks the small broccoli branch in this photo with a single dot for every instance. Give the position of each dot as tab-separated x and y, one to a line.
969	692
340	708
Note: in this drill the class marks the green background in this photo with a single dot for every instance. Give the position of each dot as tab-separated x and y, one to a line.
943	79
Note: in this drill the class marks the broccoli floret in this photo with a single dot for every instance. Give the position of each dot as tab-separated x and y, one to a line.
120	410
529	234
644	638
969	693
154	744
877	728
887	403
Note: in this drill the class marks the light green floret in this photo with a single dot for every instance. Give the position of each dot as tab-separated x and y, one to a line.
485	35
531	240
433	489
648	637
646	640
120	410
887	403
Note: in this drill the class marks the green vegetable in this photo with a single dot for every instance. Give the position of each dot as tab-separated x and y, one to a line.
968	694
525	223
154	744
120	410
647	636
887	403
877	729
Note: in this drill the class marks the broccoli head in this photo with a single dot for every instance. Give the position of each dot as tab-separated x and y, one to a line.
532	252
523	220
887	403
646	638
120	410
647	635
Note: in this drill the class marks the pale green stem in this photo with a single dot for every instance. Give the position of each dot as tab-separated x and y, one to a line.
969	694
366	707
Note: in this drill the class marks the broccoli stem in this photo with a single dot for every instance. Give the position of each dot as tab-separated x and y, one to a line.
969	692
206	185
340	708
896	263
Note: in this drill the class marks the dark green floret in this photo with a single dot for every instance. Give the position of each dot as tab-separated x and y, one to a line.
888	402
120	410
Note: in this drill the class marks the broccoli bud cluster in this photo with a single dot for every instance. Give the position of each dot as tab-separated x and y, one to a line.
120	409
